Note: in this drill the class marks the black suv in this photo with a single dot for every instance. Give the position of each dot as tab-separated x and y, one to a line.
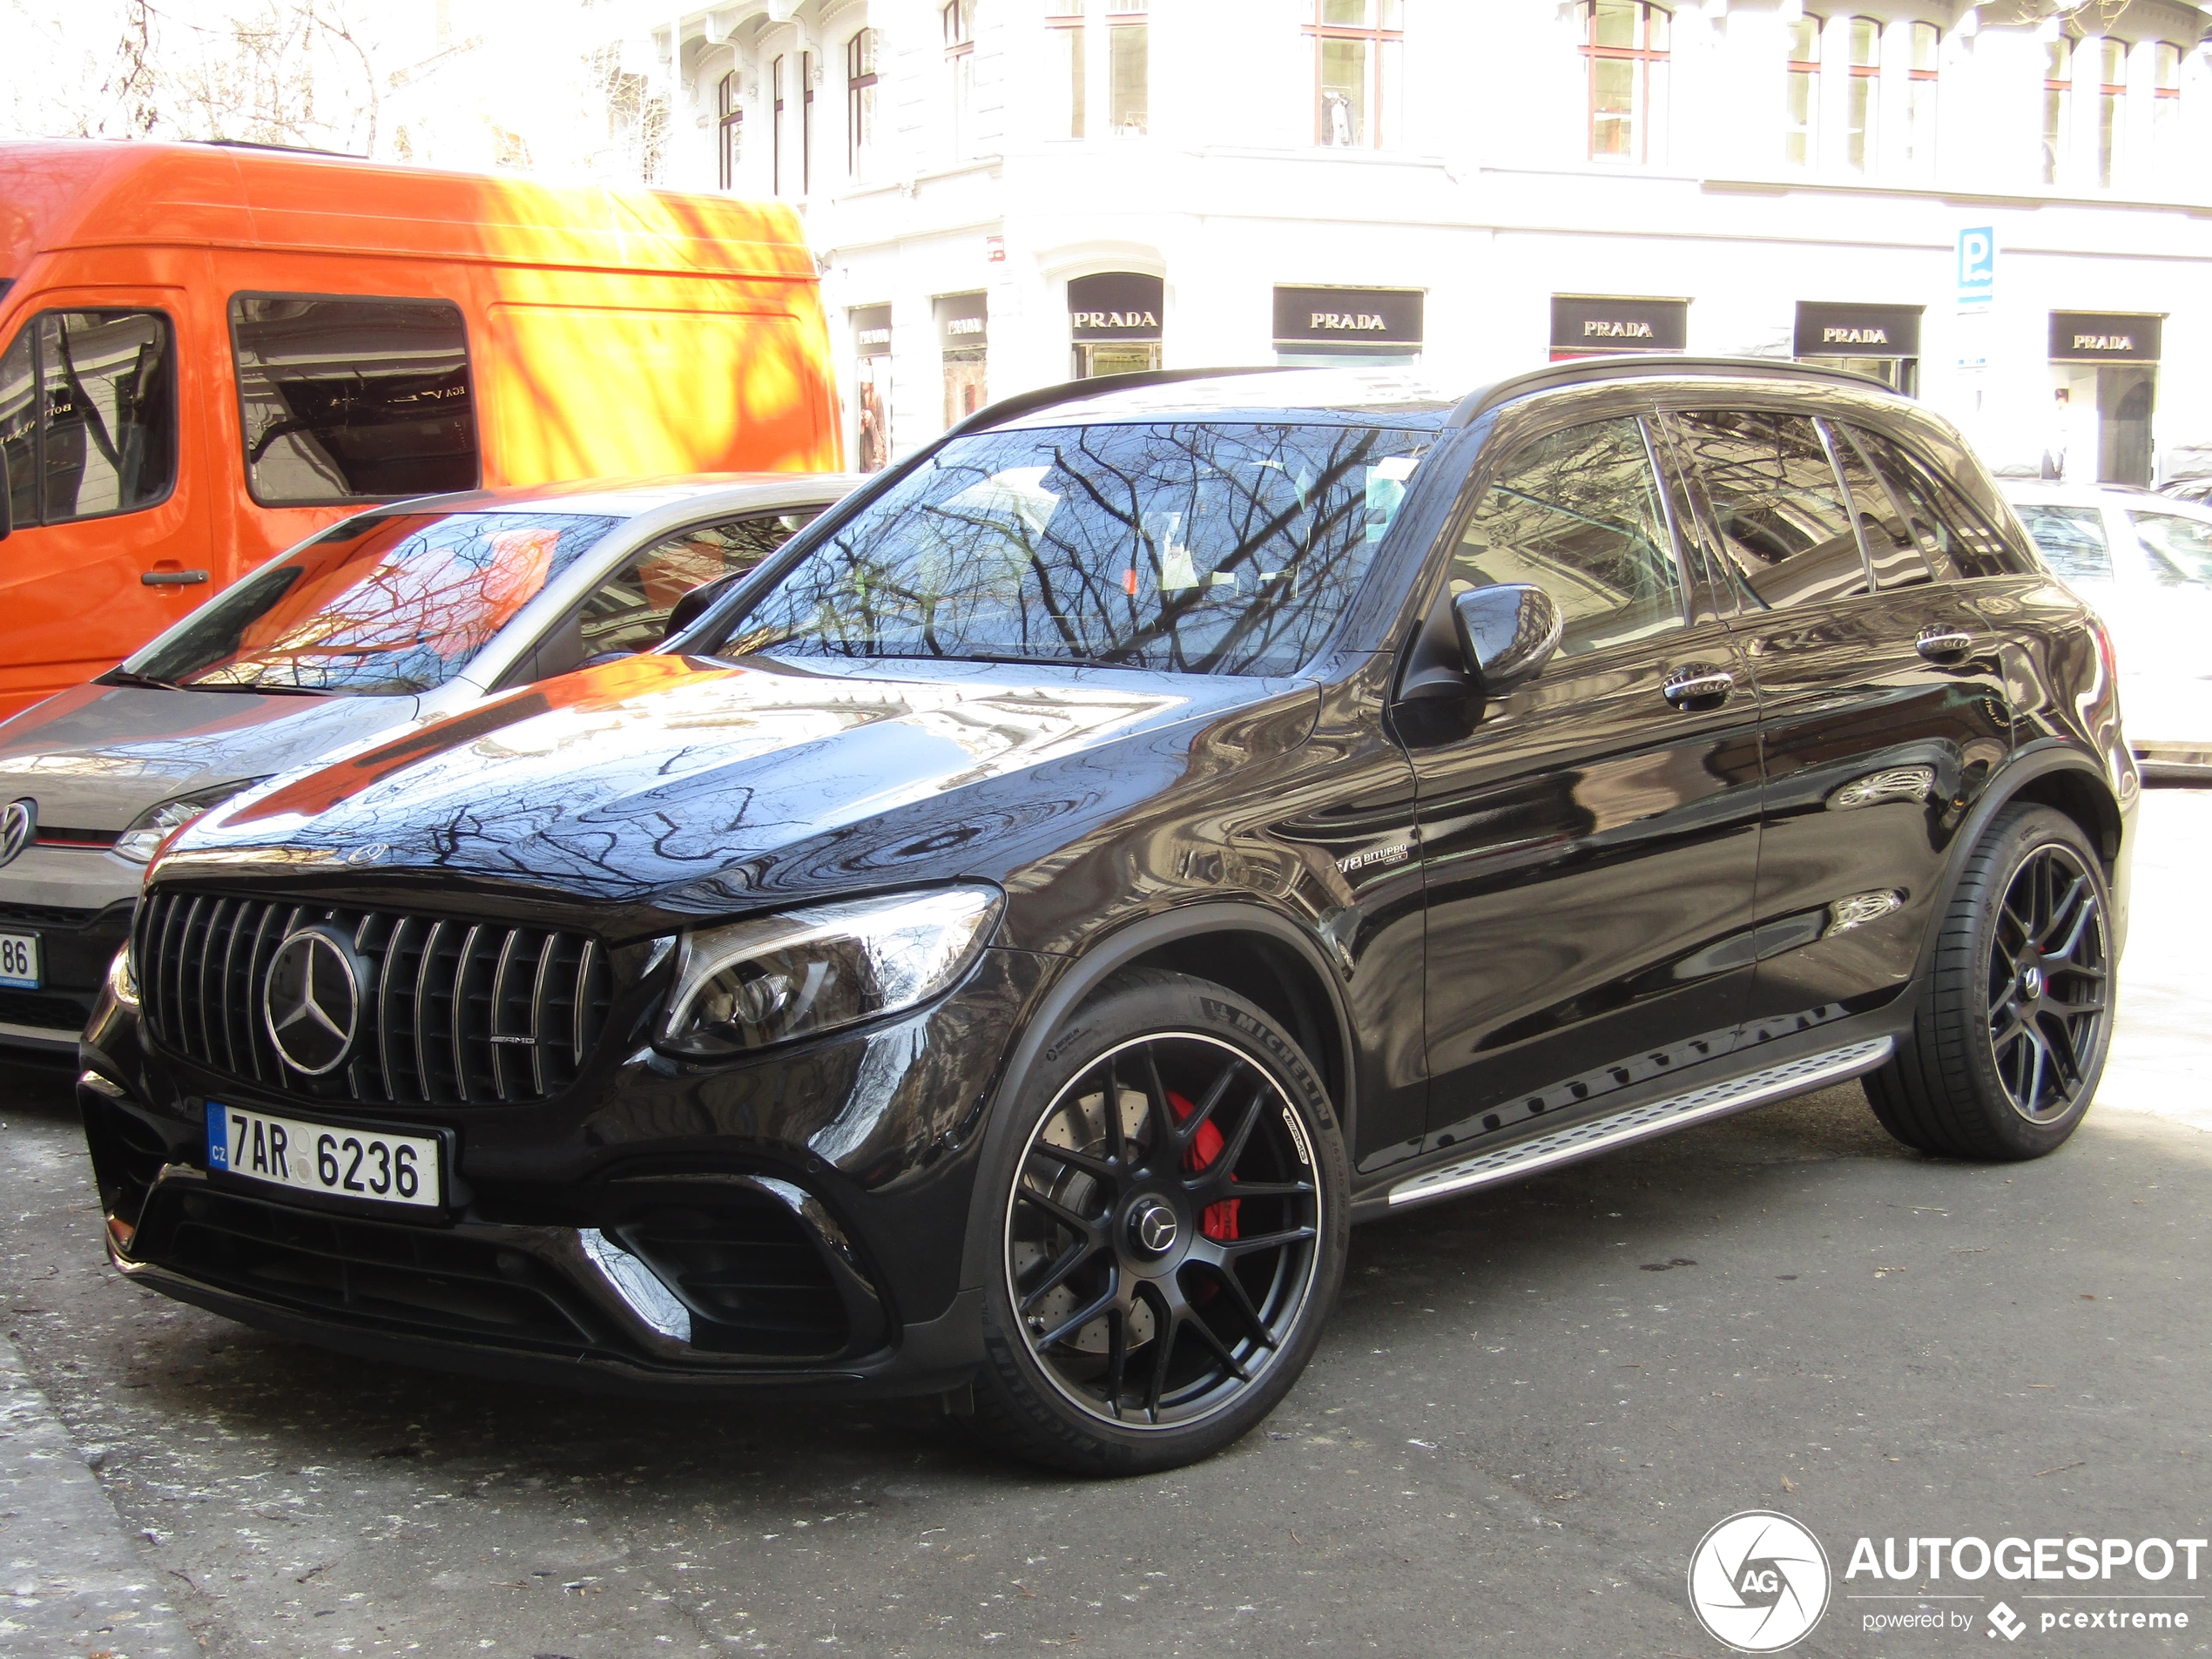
1003	944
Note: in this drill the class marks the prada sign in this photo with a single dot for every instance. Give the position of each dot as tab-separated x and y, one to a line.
871	329
2101	337
1381	321
1116	305
1857	331
1584	323
963	320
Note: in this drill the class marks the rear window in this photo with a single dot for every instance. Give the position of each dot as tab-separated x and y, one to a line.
2072	540
385	602
345	400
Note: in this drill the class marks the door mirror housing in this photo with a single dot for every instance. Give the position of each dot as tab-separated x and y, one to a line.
693	606
1507	634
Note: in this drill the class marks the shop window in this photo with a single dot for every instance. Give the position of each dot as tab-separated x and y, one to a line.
2058	106
730	131
345	399
776	125
1921	79
959	20
87	415
1358	49
1066	67
1785	526
1129	69
1801	95
860	100
1863	97
2112	108
2166	102
1626	48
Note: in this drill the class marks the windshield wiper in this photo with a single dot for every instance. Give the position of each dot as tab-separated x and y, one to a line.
1037	660
145	682
259	690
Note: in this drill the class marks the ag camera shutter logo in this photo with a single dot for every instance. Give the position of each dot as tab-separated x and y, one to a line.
1759	1582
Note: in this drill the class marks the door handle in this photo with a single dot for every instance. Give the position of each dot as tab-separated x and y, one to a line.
1944	644
173	578
1699	688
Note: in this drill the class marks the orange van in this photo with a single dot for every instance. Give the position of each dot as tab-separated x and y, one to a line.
207	353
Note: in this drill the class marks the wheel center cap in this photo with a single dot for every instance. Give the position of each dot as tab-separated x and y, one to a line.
2032	980
1152	1227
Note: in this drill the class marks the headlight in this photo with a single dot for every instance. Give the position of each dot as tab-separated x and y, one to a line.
123	978
771	978
155	825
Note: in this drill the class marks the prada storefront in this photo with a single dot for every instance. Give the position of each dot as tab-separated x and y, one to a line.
1114	319
2104	388
963	331
1880	341
871	378
1587	325
1348	328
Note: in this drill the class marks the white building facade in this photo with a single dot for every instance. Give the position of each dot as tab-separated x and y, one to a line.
1985	205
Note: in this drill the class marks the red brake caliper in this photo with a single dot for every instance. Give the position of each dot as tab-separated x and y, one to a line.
1218	1221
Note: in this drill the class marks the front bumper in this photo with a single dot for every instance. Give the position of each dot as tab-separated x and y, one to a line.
79	907
793	1224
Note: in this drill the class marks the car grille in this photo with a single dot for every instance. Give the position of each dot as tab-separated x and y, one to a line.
753	1283
452	1011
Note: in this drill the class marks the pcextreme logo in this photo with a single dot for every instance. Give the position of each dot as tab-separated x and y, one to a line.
1759	1582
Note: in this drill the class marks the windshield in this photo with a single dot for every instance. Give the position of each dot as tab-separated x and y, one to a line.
2180	549
1199	549
383	604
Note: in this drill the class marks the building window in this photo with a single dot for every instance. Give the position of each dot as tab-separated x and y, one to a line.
1863	101
2166	101
1626	43
1920	80
960	66
2112	108
1066	67
2058	106
1801	106
728	135
1358	48
859	98
1129	67
806	123
776	126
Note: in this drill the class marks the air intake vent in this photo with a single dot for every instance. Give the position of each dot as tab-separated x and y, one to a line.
450	1012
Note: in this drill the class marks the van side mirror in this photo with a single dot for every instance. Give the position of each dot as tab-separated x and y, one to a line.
1507	634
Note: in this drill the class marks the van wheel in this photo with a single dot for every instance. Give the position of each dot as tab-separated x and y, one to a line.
2015	1019
1172	1229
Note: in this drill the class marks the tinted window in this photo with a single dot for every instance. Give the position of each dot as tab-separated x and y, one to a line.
628	611
1577	514
88	415
384	602
1958	537
352	400
2072	540
1891	548
1786	535
2180	550
1212	548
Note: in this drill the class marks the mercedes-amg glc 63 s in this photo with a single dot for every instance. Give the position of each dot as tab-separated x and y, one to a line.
1000	947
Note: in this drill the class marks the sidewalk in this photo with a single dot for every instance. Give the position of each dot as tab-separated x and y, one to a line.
72	1583
2157	1060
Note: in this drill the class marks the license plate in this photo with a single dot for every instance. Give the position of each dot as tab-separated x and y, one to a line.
19	961
339	1162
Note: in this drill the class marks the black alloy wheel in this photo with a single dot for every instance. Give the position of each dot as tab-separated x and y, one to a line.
2015	1018
1171	1234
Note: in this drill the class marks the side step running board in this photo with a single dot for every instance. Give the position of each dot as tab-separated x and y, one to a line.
1604	1134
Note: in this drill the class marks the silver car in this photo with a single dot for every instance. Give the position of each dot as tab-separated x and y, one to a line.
405	613
2144	563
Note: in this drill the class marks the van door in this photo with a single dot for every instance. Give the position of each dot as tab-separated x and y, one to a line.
109	530
109	539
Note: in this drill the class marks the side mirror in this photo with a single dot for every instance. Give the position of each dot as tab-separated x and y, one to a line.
1507	634
693	606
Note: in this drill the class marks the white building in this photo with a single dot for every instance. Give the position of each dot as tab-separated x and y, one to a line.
1005	192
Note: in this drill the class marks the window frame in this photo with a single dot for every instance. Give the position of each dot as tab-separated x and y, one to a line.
2111	111
1066	18
1376	38
1813	71
1128	14
729	131
32	334
1867	133
1921	120
776	125
2057	124
861	78
958	20
1646	60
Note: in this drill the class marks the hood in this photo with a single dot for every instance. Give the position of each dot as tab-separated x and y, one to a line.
693	786
96	756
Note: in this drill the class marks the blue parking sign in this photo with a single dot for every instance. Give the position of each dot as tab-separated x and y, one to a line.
1976	266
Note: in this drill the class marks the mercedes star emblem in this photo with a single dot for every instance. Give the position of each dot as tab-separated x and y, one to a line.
18	827
311	1001
1155	1228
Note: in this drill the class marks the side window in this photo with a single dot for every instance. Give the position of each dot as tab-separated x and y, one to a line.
1891	548
2180	549
88	415
1956	538
1577	514
1785	529
2072	540
352	400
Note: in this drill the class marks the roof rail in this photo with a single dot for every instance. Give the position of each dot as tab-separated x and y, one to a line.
1627	365
1068	391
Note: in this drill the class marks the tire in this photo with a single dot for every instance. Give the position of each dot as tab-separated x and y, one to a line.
1212	1204
2014	1020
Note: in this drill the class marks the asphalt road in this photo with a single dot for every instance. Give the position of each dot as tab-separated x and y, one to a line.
1529	1407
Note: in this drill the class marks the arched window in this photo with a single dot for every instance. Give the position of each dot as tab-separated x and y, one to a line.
1863	97
1625	44
1920	80
1801	95
2058	106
